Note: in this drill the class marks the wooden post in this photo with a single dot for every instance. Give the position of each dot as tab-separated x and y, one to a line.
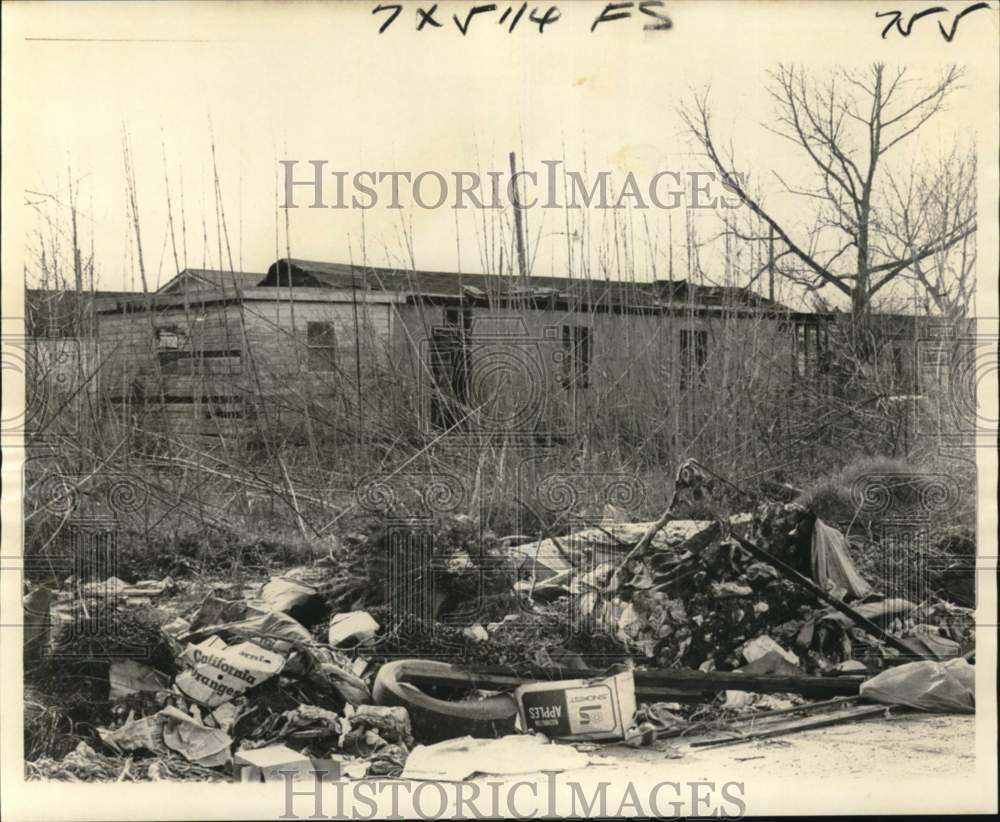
670	251
770	265
518	227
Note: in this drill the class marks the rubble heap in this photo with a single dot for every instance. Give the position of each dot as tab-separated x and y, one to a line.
285	671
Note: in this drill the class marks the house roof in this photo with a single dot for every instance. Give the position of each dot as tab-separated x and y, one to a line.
203	279
312	274
56	313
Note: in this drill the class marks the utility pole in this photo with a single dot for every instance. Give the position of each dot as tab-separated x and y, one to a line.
518	228
81	313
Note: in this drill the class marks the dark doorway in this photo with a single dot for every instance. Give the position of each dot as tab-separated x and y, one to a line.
450	372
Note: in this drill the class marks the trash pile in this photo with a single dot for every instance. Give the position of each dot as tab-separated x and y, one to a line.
698	600
399	654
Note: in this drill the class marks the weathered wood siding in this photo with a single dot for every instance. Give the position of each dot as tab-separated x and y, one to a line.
642	380
229	367
273	363
300	372
179	369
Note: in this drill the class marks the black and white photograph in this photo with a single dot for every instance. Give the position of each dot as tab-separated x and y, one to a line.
536	409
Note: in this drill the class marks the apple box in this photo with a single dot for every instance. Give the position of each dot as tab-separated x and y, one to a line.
578	708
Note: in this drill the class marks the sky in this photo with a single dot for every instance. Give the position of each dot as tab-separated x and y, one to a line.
301	81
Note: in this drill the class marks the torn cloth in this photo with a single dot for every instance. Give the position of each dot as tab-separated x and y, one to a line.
832	567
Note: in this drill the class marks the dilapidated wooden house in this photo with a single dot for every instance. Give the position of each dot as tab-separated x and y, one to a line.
334	351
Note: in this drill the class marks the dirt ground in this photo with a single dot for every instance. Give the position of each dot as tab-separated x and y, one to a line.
909	763
902	747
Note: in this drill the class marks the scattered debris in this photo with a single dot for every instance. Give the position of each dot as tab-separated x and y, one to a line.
193	740
306	724
144	734
271	764
808	724
761	646
477	633
350	629
737	699
735	626
128	676
36	605
454	760
112	586
391	723
302	602
273	630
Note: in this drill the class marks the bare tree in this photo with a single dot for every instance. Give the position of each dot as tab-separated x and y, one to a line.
845	125
930	205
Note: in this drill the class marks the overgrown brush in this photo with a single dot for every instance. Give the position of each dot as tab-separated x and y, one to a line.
870	490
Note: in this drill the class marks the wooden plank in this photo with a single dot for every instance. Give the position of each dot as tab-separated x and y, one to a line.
757	718
654	682
754	683
808	724
194	385
210	365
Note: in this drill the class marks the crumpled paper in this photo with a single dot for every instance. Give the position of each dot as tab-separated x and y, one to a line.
456	759
129	676
144	734
192	740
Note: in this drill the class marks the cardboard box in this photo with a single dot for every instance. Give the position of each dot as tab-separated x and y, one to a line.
270	764
220	672
578	708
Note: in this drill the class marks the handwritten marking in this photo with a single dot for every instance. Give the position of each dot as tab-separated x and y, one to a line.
541	15
427	17
905	28
472	13
949	36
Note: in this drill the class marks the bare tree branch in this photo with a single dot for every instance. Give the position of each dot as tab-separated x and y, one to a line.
846	126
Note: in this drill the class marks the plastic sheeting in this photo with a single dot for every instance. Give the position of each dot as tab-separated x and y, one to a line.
832	566
947	687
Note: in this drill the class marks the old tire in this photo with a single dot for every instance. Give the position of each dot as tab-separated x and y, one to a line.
435	719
